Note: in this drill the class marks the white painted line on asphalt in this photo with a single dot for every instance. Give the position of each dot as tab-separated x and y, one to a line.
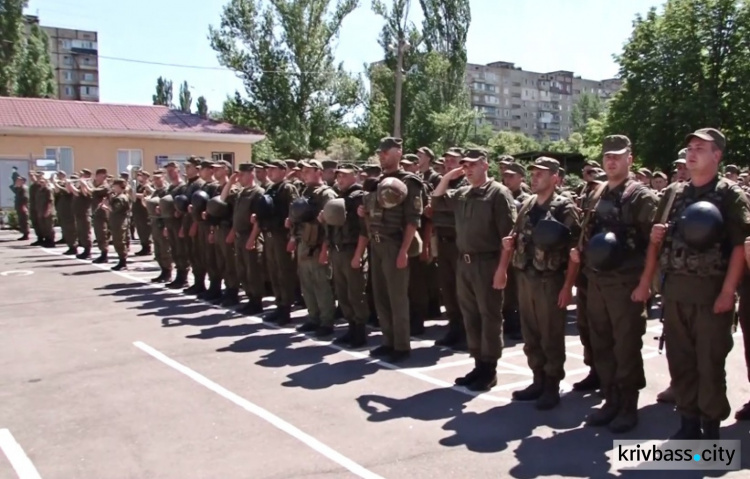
17	457
267	416
16	273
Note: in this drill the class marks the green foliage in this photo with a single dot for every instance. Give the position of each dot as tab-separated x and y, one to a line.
202	107
349	149
588	107
186	99
36	77
11	44
163	95
264	150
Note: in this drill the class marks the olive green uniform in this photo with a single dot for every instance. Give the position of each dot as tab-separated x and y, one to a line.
178	247
484	216
82	213
162	251
119	224
390	284
44	204
21	203
617	324
65	216
142	221
101	229
249	262
313	276
226	258
34	209
192	244
207	250
429	270
698	340
511	314
280	263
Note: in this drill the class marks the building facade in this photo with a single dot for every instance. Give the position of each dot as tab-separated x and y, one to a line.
539	105
75	60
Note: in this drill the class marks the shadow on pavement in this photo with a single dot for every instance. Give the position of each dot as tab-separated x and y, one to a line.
325	375
264	342
87	272
207	320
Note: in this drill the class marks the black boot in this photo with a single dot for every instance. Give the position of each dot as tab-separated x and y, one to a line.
198	287
103	258
213	293
231	298
36	243
533	391
347	336
282	316
487	377
453	336
180	280
589	383
471	377
711	429
605	414
161	278
359	336
72	251
145	251
121	264
23	238
550	397
690	429
312	324
48	243
253	307
416	326
85	254
627	417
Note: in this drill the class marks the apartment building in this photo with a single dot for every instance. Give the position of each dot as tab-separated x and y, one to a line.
536	104
75	59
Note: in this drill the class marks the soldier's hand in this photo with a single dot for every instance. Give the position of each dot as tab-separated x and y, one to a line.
575	256
230	237
426	255
500	279
657	233
323	256
361	211
193	230
235	177
291	246
402	260
565	297
747	251
641	293
321	219
211	237
250	244
455	173
356	262
509	242
158	209
288	223
724	303
428	211
253	219
190	208
181	234
204	215
165	233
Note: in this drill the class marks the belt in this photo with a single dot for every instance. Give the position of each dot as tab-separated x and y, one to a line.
469	258
343	247
379	238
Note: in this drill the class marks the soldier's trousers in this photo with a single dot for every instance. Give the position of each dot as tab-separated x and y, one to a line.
446	261
34	217
280	268
250	268
698	342
120	243
390	288
316	286
419	294
349	285
744	316
68	227
83	229
178	247
197	261
582	319
47	226
23	222
208	251
542	322
101	232
143	228
368	281
162	251
617	325
226	258
481	305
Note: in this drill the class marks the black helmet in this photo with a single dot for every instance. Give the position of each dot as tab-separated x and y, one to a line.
199	200
700	225
301	211
604	252
264	206
181	203
549	234
167	206
216	208
151	204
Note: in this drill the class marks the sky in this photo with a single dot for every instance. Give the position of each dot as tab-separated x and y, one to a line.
538	35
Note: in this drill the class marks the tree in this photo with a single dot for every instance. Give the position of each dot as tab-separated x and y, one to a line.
588	106
11	43
35	76
282	50
186	99
349	149
202	107
163	94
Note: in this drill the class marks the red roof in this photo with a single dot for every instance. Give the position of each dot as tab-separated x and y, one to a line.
39	113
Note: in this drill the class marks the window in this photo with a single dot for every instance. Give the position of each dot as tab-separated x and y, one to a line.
506	124
219	156
130	158
68	91
67	75
65	44
162	160
89	91
63	155
89	77
67	60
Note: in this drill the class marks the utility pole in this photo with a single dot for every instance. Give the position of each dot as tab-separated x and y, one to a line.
402	47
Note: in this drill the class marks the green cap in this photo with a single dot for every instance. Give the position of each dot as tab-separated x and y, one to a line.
709	134
545	163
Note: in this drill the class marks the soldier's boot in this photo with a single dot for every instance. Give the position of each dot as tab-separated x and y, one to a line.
487	377
589	383
60	241
103	258
605	414
323	331
453	336
381	351
213	292
743	414
144	251
690	429
252	307
666	396
359	336
72	251
550	396
48	243
533	391
161	278
198	287
85	254
180	280
346	337
121	264
284	316
309	326
37	242
627	417
471	377
231	298
711	429
416	326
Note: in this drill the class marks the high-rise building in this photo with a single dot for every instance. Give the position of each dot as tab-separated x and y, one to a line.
75	60
537	104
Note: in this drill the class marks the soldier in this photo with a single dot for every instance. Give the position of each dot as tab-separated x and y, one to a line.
546	229
99	192
614	256
280	262
244	234
346	241
64	209
205	241
444	222
118	207
223	238
393	215
702	257
141	218
162	253
644	175
189	226
261	176
428	265
485	213
743	316
82	212
173	219
369	182
21	203
659	181
33	209
329	172
45	205
732	173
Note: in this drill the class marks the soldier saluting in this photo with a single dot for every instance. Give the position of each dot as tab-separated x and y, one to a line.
702	258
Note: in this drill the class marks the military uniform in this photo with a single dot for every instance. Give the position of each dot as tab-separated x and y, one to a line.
226	257
65	217
21	204
45	204
34	209
192	243
82	202
162	251
429	269
422	274
99	195
511	315
142	222
119	225
206	248
249	261
178	247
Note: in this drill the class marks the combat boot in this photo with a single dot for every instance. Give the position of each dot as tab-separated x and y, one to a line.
309	326
121	264
627	417
533	391
743	414
487	377
605	414
36	243
711	429
283	316
453	336
145	251
72	251
103	258
471	377
323	332
49	243
589	383
416	326
666	396
550	396
359	336
197	288
23	238
180	280
690	429
347	336
213	292
85	254
253	307
231	298
161	278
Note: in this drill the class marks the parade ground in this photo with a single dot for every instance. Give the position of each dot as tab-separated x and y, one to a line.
105	376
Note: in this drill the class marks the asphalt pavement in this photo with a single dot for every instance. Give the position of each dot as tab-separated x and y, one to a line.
104	375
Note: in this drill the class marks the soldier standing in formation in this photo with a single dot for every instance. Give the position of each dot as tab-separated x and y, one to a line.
159	234
220	211
173	219
21	203
63	200
140	216
99	193
118	209
45	206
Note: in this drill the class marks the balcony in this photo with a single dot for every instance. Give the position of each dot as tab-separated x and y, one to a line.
83	51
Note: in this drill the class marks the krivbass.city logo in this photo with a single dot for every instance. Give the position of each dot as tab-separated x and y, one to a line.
701	455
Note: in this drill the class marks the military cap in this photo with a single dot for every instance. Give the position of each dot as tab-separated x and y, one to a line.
473	155
505	160
390	142
347	168
243	167
682	154
171	164
157	174
311	164
515	168
440	161
561	171
144	173
207	164
225	164
615	145
120	182
261	164
546	163
592	163
110	177
328	164
709	134
426	151
85	171
371	168
74	177
732	169
679	161
101	171
660	174
278	164
645	172
290	164
455	152
193	160
125	174
410	159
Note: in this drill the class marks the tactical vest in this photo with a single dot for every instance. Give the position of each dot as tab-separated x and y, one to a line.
348	233
615	215
312	231
525	254
389	222
676	256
